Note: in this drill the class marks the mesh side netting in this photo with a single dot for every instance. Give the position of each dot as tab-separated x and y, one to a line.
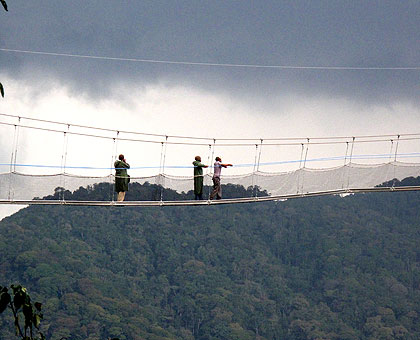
16	186
40	158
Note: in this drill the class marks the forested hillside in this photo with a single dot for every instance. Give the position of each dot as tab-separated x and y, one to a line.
312	268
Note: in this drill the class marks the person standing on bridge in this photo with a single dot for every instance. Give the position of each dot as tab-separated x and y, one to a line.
198	178
121	177
217	187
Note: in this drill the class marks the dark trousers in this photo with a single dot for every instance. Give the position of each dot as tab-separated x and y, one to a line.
217	189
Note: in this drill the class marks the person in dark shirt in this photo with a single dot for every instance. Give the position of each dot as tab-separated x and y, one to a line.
121	177
198	178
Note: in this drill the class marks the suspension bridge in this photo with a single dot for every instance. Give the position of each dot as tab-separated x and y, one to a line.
40	157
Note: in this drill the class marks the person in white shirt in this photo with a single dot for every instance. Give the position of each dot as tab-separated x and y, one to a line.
217	187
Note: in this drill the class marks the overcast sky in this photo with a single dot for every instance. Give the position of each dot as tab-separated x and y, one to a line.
295	33
215	101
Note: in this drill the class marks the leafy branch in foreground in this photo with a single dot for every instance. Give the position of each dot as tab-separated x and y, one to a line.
3	2
19	302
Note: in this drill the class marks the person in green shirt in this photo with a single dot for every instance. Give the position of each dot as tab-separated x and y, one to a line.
198	178
121	177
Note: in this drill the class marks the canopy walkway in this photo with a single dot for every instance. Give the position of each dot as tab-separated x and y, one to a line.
41	157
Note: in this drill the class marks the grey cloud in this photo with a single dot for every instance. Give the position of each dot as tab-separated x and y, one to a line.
302	33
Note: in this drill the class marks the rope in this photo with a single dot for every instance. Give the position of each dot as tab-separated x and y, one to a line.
396	148
211	168
304	166
13	150
230	65
320	188
203	144
341	138
352	147
301	156
350	161
395	158
158	178
113	158
161	158
347	149
259	156
300	167
258	169
346	168
63	164
389	160
16	143
214	202
65	151
253	170
14	192
16	146
163	171
12	162
390	151
243	165
212	155
306	153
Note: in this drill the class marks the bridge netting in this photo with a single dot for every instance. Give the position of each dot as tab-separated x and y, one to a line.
39	157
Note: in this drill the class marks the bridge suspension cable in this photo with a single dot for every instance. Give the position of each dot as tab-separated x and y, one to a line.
229	65
241	141
56	159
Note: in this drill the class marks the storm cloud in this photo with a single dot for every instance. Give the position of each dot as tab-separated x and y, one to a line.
293	33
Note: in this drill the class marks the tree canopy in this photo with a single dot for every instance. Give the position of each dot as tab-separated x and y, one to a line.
315	268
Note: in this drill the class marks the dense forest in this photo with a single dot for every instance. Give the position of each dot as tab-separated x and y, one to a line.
313	268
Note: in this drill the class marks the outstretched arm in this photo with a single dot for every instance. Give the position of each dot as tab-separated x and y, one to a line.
201	165
226	165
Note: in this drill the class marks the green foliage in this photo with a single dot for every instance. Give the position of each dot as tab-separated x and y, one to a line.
148	192
21	306
408	181
3	2
314	268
